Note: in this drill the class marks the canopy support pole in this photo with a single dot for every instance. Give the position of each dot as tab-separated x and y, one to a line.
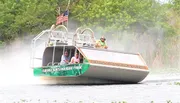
53	55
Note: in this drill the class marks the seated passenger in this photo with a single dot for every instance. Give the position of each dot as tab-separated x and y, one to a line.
75	59
64	58
81	59
101	43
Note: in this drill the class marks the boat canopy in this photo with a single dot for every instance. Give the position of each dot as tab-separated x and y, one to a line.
113	58
96	56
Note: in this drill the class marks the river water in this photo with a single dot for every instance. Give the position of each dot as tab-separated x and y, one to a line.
21	88
17	85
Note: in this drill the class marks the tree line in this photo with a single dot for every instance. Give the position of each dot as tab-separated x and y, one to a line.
19	18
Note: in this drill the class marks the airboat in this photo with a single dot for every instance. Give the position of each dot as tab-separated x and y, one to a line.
98	66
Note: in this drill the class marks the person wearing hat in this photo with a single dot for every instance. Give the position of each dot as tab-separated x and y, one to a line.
101	43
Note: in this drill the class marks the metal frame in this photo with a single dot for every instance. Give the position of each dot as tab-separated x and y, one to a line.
81	32
33	45
50	36
63	39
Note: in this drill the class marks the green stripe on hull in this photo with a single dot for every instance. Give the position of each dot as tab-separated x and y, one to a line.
61	70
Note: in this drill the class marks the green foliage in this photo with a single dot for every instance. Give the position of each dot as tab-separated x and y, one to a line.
120	14
19	17
176	5
169	101
176	83
108	17
2	44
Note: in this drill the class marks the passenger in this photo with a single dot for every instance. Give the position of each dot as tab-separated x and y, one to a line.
64	58
75	59
81	59
101	43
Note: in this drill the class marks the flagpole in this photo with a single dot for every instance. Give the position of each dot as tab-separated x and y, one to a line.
67	8
67	22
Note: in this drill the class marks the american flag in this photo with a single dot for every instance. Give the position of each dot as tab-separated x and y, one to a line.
65	18
59	19
66	13
62	18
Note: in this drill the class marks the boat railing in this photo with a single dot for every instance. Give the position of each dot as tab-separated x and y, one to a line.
53	64
35	44
56	37
84	40
59	63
